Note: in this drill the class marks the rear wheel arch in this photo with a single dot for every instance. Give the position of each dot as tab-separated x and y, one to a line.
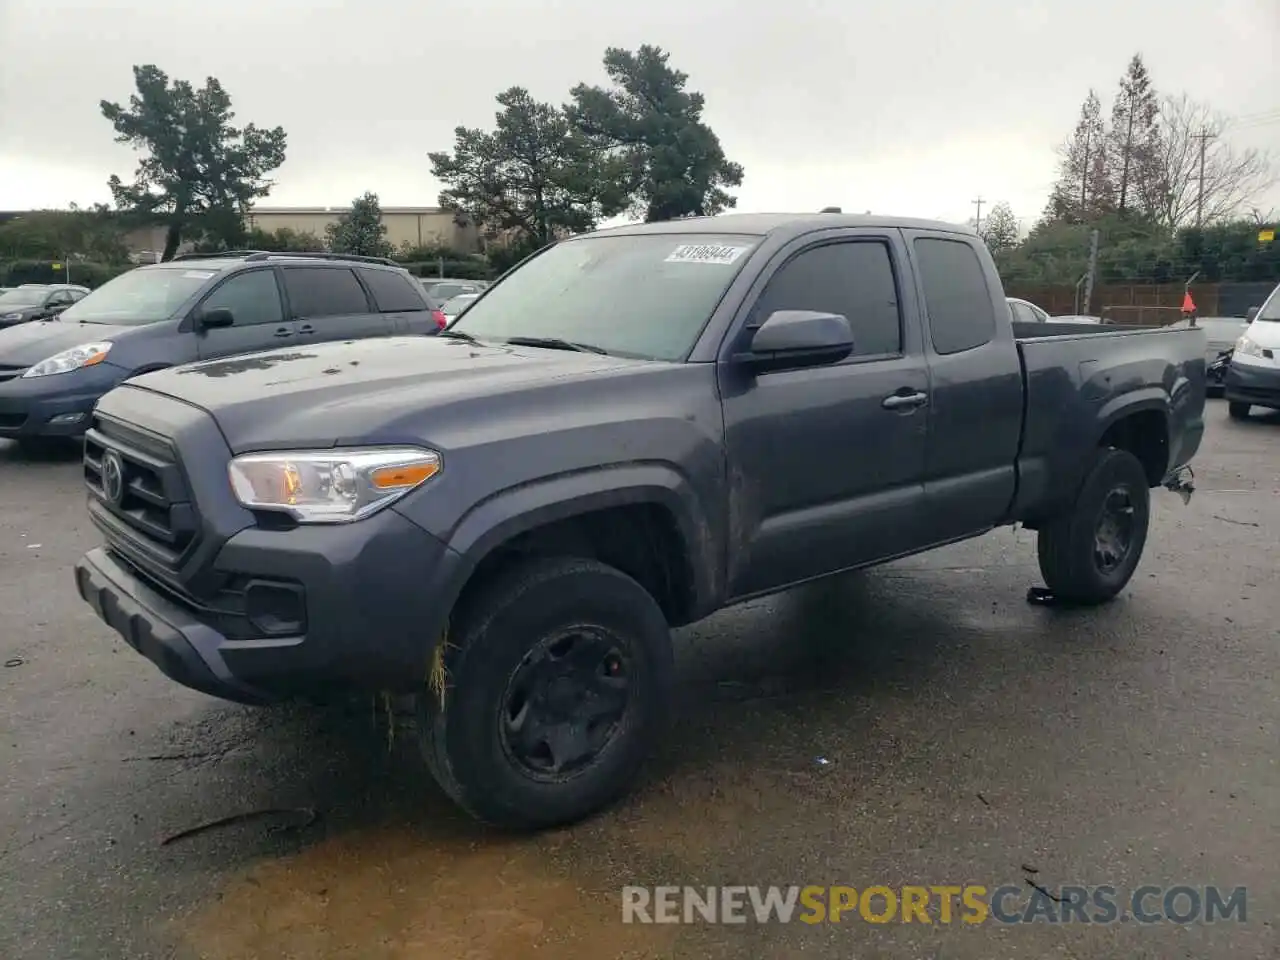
1142	429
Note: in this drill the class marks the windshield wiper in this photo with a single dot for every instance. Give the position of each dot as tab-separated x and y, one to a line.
555	343
459	335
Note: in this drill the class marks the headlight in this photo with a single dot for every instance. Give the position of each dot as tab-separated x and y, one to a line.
1248	347
11	316
330	486
85	355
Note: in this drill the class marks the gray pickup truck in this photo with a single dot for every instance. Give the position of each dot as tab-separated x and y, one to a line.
628	432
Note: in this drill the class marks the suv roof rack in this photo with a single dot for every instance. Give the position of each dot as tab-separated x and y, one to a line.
831	210
269	254
218	255
263	255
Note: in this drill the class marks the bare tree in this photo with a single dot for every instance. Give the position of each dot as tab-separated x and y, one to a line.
1084	189
1234	179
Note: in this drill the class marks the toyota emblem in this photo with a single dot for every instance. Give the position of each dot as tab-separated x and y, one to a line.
113	477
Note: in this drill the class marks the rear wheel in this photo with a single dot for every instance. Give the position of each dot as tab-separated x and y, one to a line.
1237	410
1090	553
559	681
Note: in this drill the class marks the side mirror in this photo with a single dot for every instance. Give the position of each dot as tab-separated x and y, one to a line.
215	318
1250	314
790	339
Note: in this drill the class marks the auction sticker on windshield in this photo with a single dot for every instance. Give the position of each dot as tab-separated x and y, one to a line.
706	253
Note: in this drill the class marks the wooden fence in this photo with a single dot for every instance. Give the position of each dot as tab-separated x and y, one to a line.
1146	304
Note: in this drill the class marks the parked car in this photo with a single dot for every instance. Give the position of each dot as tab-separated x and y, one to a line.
1024	311
507	520
194	307
440	291
1253	379
456	305
37	301
1222	334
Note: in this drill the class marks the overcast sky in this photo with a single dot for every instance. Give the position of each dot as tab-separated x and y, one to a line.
912	107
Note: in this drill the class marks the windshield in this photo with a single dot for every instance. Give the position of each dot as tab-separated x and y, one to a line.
139	297
1271	309
21	298
646	296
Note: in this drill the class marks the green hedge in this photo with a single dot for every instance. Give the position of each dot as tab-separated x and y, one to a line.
83	273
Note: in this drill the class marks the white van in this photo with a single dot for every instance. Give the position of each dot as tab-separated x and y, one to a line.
1254	377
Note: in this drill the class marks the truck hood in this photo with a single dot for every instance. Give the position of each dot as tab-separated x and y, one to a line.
27	344
360	390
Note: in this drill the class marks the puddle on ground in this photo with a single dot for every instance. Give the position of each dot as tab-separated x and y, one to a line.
401	894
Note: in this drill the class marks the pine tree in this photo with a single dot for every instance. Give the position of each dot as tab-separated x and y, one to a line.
1135	139
1083	190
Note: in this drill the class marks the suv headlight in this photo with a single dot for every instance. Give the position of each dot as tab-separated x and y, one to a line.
85	355
330	486
1248	347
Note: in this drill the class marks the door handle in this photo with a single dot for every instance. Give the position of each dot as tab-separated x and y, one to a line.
904	401
284	332
306	328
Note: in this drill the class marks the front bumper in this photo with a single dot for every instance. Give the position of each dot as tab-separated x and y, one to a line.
1257	385
370	594
56	406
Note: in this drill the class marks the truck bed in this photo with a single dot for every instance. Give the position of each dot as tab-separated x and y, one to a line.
1076	374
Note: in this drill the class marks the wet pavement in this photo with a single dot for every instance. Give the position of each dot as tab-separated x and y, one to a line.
915	724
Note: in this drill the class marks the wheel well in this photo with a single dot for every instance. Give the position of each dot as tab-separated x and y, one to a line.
641	540
1145	434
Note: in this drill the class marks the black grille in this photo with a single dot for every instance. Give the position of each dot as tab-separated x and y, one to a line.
151	519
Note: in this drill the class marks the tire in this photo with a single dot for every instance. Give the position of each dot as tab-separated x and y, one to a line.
1237	410
507	622
1069	561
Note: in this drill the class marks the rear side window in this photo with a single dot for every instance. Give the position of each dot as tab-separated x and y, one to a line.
956	297
851	278
324	292
393	292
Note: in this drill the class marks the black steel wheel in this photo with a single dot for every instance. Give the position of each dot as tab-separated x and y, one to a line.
1089	553
559	682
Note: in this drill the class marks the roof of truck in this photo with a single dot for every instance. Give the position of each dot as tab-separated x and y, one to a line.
759	224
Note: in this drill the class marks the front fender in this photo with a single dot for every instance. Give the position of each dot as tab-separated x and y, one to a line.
517	510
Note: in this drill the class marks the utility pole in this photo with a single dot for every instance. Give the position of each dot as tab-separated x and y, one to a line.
1204	136
977	220
1084	175
1093	270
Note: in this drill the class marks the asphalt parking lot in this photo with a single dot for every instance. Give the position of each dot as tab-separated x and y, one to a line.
915	724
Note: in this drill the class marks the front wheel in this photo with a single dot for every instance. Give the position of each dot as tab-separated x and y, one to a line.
1089	553
1237	410
558	684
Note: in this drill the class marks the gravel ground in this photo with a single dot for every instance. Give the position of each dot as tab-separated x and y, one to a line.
915	724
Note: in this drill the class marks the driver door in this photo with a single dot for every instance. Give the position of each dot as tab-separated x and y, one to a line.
253	297
824	475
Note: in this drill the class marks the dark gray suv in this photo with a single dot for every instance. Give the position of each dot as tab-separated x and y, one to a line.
53	371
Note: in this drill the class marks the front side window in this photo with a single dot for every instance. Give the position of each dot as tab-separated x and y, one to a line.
639	295
851	278
253	298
